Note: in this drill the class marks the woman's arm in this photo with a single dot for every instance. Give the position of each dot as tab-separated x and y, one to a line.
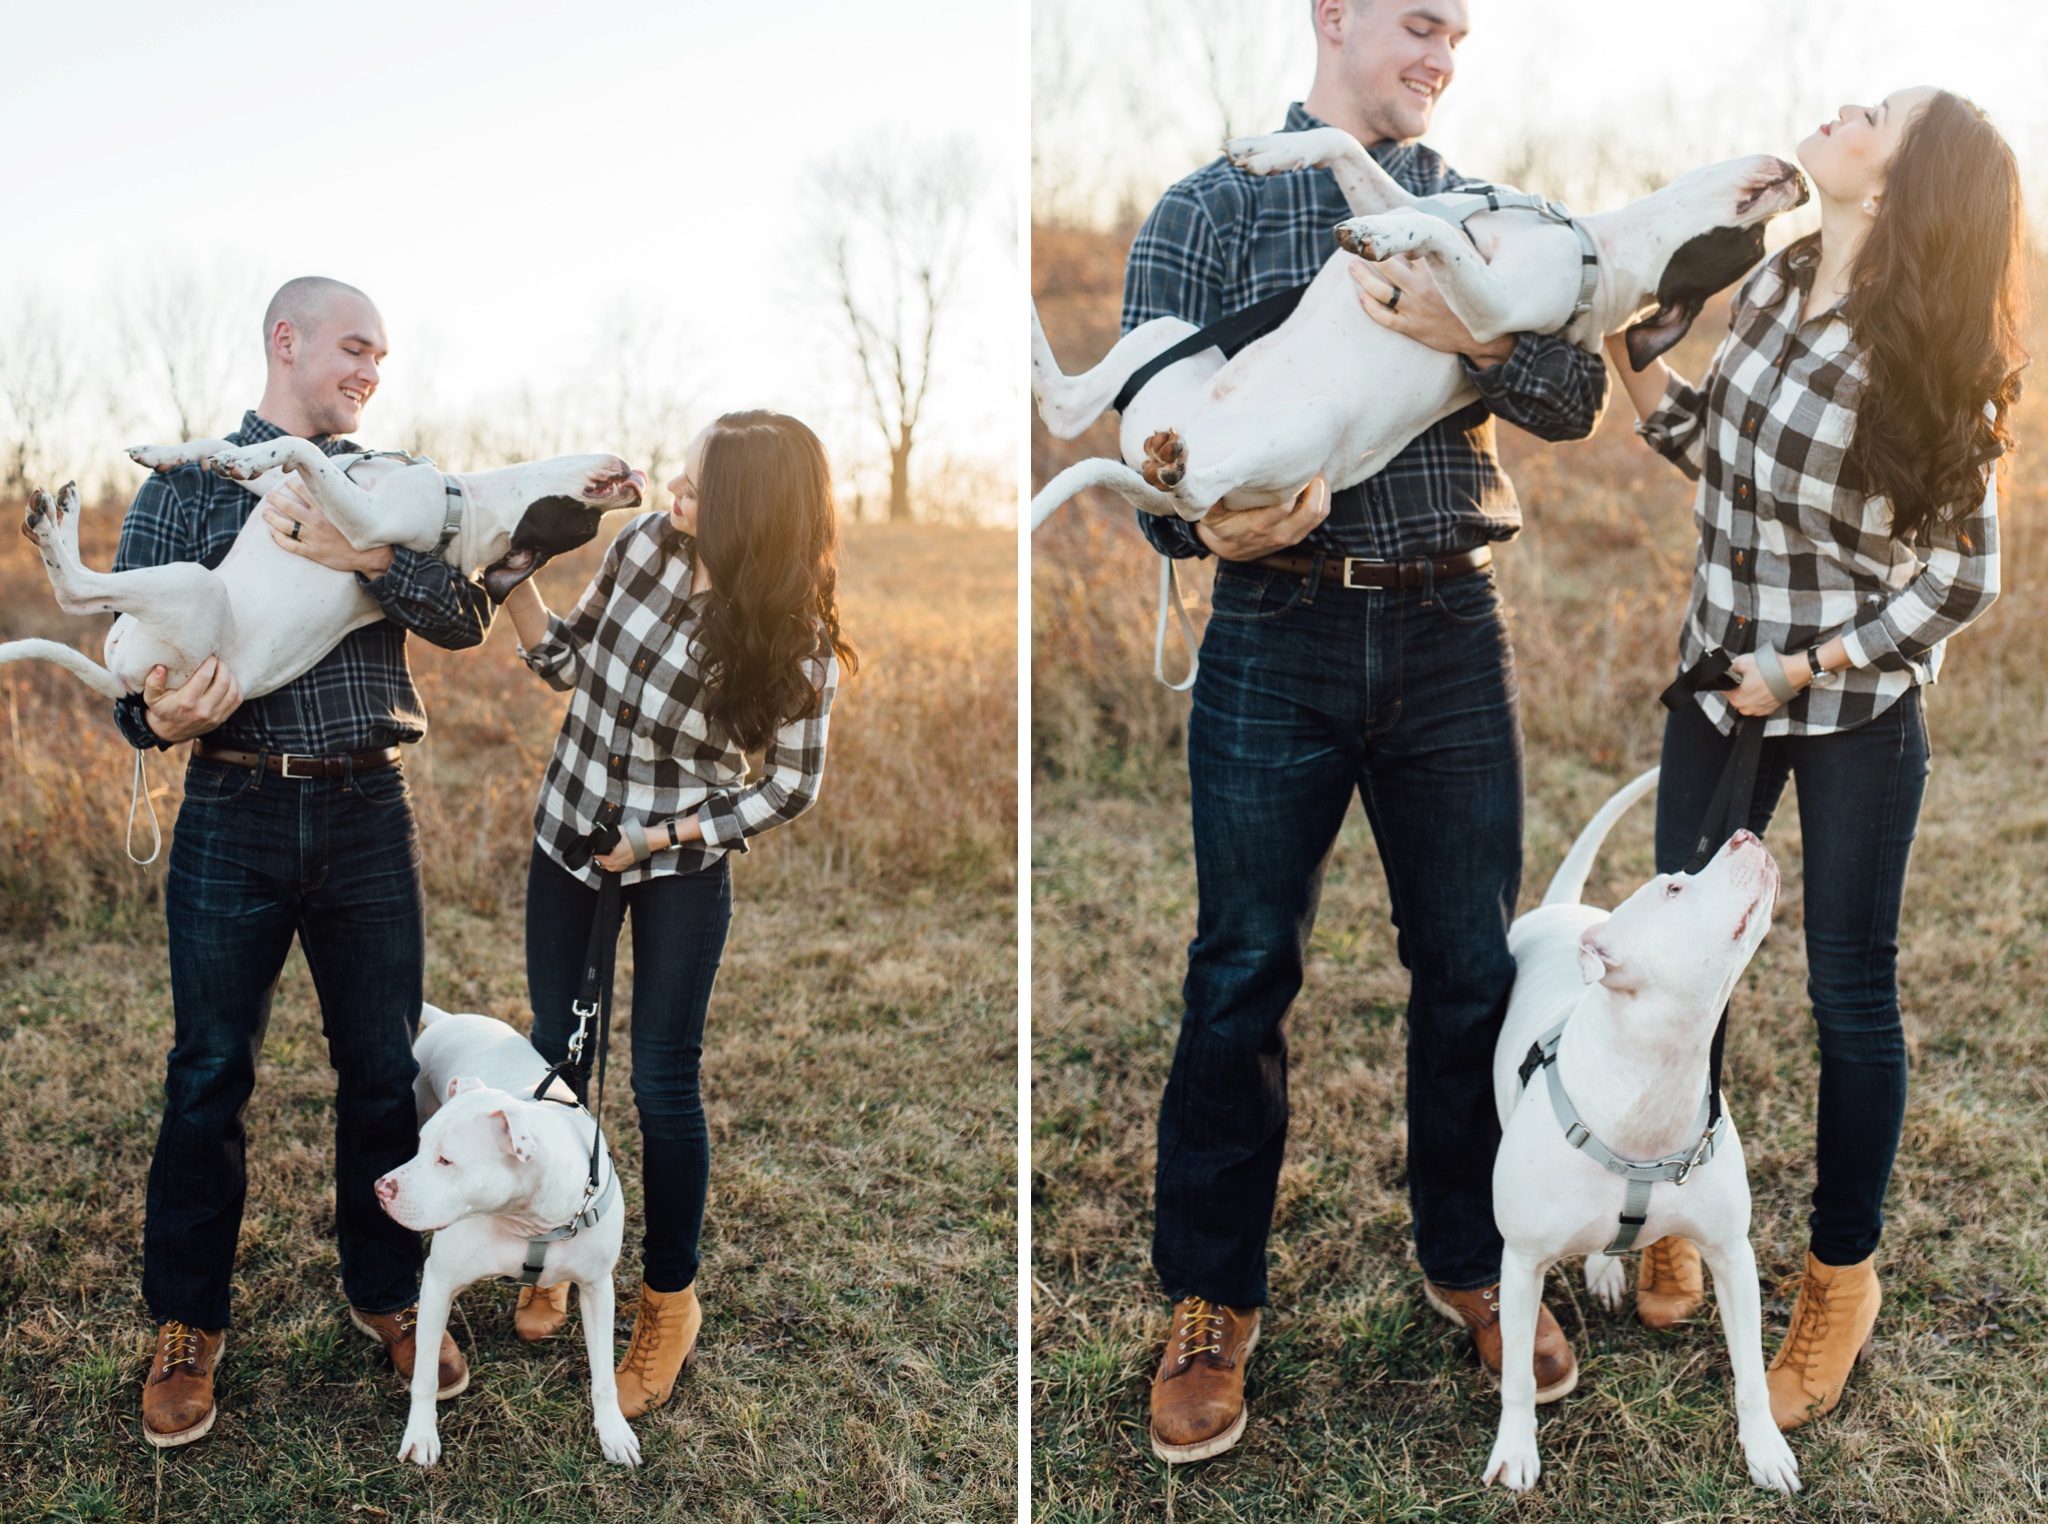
529	614
552	646
792	771
1645	387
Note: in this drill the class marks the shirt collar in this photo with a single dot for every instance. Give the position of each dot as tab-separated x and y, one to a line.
1386	152
1793	267
256	429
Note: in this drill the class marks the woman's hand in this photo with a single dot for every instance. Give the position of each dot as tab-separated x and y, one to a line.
528	613
618	859
689	828
1754	697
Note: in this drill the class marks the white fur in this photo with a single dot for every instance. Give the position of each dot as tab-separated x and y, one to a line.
1644	988
1333	393
515	1167
270	614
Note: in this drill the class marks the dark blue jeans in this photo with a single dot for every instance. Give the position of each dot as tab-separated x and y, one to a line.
1859	804
1308	692
679	923
256	861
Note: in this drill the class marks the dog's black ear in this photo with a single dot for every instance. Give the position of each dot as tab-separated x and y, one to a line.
1661	329
509	570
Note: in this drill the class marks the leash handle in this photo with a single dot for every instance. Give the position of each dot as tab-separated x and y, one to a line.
1169	596
138	794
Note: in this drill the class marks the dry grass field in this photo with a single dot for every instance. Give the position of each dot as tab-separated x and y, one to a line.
859	1352
1365	1405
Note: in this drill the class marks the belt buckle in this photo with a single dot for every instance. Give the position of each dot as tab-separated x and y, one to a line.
284	767
1362	587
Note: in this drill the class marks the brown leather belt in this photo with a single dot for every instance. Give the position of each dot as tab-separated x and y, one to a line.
284	764
1378	576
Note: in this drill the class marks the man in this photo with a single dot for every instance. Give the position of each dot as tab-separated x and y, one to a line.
296	822
1311	688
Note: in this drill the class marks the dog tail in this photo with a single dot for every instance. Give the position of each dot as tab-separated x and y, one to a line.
429	1014
77	663
1569	882
1100	472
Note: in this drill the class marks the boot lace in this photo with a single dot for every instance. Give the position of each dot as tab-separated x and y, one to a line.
1201	1331
1809	1319
647	1333
181	1346
1659	1266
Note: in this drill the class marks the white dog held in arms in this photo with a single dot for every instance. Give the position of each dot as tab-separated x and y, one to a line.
497	1169
1639	993
1331	393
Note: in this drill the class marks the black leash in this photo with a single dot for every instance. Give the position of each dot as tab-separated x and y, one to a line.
1229	334
1734	797
593	1003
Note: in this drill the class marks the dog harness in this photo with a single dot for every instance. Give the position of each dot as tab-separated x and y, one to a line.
451	517
586	1216
1635	1206
1461	205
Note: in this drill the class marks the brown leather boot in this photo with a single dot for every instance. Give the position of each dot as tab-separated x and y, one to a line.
1830	1333
1557	1368
1669	1285
1198	1407
541	1310
664	1342
177	1395
398	1332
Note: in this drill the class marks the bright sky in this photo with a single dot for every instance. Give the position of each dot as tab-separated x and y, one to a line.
500	176
1734	76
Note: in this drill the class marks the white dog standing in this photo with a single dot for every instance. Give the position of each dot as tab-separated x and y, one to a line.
497	1169
1639	993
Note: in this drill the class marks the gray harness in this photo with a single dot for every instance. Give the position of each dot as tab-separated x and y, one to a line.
1635	1207
1467	202
451	515
537	1246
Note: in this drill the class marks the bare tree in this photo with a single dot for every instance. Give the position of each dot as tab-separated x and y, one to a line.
896	228
39	381
637	402
189	339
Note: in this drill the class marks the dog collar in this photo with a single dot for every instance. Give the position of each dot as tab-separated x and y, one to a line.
1635	1206
537	1246
1468	201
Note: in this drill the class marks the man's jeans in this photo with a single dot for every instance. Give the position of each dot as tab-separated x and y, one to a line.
1307	692
256	860
1859	805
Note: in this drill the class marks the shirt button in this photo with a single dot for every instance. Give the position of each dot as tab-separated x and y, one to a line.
1738	558
1742	490
640	665
1738	619
626	710
618	761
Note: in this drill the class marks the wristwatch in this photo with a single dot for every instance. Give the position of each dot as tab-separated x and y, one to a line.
1820	673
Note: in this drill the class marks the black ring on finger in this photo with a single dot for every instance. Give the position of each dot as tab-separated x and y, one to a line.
1394	300
295	529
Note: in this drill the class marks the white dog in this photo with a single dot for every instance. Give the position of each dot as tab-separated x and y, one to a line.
1638	994
497	1170
1332	393
270	615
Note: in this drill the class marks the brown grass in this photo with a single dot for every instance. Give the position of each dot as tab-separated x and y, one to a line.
1366	1407
859	1350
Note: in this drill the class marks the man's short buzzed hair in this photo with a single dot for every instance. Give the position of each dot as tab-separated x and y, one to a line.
302	301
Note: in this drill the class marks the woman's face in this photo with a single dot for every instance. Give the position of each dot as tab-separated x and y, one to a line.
683	511
1847	157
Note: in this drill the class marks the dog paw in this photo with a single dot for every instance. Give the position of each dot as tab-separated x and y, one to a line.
41	516
1360	237
615	1437
1268	153
1513	1464
1771	1462
421	1444
242	463
157	457
1606	1280
1166	460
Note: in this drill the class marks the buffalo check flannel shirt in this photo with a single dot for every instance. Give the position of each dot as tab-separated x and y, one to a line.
1789	552
358	697
1222	239
636	743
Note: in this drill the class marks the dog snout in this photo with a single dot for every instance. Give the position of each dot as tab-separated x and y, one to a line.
387	1189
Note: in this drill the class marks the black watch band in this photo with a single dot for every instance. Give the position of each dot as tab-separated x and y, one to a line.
1814	669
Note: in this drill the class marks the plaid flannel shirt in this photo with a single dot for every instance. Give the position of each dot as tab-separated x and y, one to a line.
359	696
636	743
1789	553
1222	239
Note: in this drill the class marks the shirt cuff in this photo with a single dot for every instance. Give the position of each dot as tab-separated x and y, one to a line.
1673	426
719	822
401	579
131	716
1514	374
551	655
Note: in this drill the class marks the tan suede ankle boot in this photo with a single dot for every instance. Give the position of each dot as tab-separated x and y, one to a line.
1669	1284
541	1310
664	1339
1830	1333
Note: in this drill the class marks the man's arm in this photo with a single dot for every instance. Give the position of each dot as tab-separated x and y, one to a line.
156	532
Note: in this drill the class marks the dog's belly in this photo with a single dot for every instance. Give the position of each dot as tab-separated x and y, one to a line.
288	612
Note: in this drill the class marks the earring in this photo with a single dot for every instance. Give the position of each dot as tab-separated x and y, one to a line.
1869	206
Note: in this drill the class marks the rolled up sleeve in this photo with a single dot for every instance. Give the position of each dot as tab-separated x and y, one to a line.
424	594
1956	583
1547	386
1677	428
558	658
792	771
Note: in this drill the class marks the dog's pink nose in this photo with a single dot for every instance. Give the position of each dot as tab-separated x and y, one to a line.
1745	838
387	1190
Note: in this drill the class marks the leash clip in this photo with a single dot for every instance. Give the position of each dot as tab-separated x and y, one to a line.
1699	1154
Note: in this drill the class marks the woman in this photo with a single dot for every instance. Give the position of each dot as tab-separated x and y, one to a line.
711	631
1844	440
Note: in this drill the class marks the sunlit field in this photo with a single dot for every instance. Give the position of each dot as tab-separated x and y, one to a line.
859	1352
1365	1405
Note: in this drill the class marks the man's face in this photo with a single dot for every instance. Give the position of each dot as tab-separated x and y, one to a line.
1396	57
334	364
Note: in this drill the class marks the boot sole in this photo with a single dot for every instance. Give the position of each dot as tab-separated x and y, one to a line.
1555	1392
440	1396
1203	1449
198	1430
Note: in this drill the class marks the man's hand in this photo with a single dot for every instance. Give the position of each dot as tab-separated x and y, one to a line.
1421	313
1245	534
297	524
200	704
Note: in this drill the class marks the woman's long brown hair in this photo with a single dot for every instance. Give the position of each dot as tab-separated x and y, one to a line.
768	534
1935	299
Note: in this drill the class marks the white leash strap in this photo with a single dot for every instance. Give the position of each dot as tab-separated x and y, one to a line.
138	793
1169	594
